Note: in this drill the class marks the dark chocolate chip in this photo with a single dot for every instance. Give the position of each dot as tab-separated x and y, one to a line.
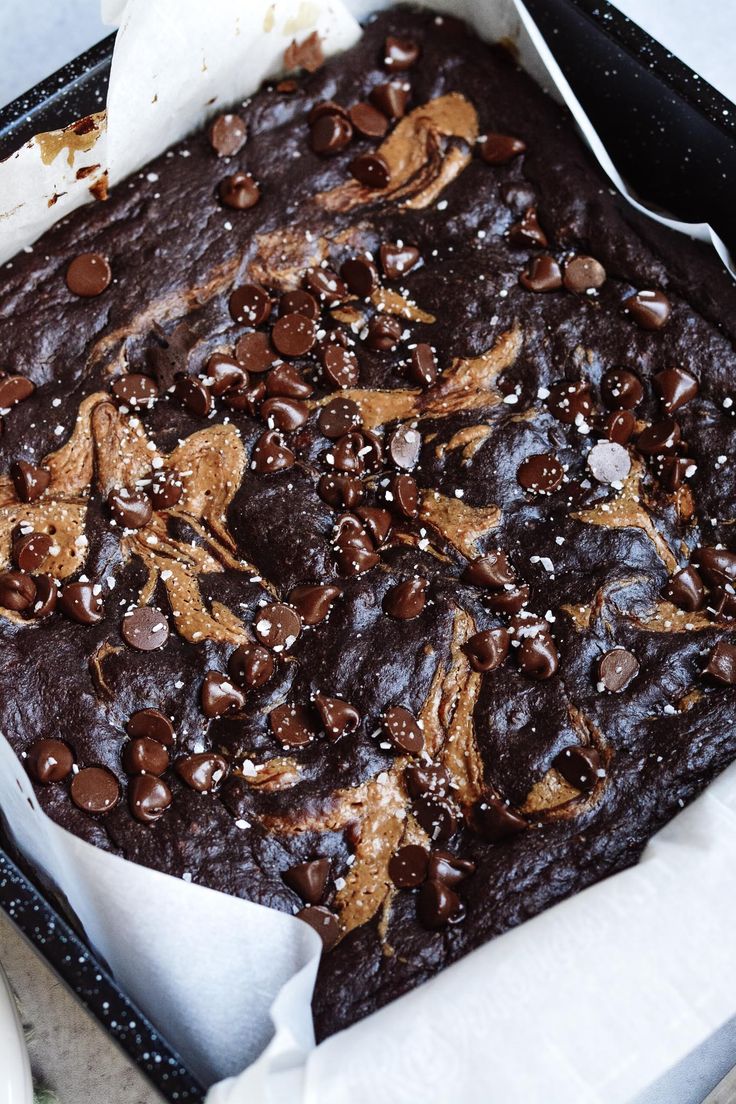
543	274
676	387
579	766
88	275
436	817
145	629
397	259
527	232
338	717
330	133
299	302
448	868
17	591
340	366
270	453
227	134
249	304
95	790
360	275
284	414
408	867
488	649
371	170
82	602
384	333
288	381
403	496
399	53
659	438
721	664
377	521
511	599
169	356
541	473
47	592
277	626
537	654
166	489
391	98
427	778
340	491
294	335
404	446
325	923
49	761
153	724
422	368
251	666
129	509
406	600
494	820
403	730
219	696
491	570
338	417
193	395
313	603
148	798
326	285
309	880
616	669
716	565
134	390
145	756
31	549
621	389
438	905
368	120
292	725
673	471
29	481
325	107
584	274
499	149
13	390
239	191
570	402
619	426
649	309
685	590
722	603
204	772
609	462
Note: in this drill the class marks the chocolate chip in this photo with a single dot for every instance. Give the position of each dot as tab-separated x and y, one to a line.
541	473
527	232
153	724
284	414
82	602
422	368
584	274
537	654
299	302
134	390
277	626
287	380
338	417
579	766
239	191
169	356
438	905
649	309
509	600
148	798
721	664
487	650
270	453
88	275
49	761
13	390
448	868
166	489
338	717
659	438
722	603
616	669
609	462
95	790
31	549
391	98
249	304
427	778
673	471
490	570
371	170
29	481
218	695
570	402
403	730
353	546
46	596
325	107
313	603
403	495
543	274
294	335
129	509
378	522
360	275
224	373
397	259
384	333
309	880
145	629
494	821
685	590
329	134
324	922
340	366
676	387
621	389
292	725
399	53
17	591
193	395
204	771
227	135
404	446
499	149
436	817
716	565
408	867
619	426
368	120
145	756
326	285
340	491
251	666
406	600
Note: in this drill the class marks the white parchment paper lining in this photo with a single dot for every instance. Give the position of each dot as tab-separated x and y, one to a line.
589	1002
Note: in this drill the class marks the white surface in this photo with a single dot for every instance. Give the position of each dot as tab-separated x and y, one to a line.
15	1072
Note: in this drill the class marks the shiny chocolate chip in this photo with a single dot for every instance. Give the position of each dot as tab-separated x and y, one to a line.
145	629
494	820
436	817
309	880
621	389
134	389
488	649
324	922
659	438
721	664
284	414
438	905
370	170
511	599
219	696
95	790
288	381
129	509
608	462
649	309
676	388
145	756
722	603
527	233
384	333
619	426
227	134
399	53
407	868
346	454
403	730
13	390
255	353
151	724
29	481
148	798
570	402
193	395
292	725
249	304
616	669
537	654
204	771
426	778
17	591
406	600
404	446
313	603
378	522
49	761
326	285
491	570
398	258
540	473
239	191
330	133
368	121
499	149
88	275
82	602
583	274
30	550
340	366
294	335
580	766
673	471
716	565
325	107
422	368
271	454
299	302
166	489
360	276
251	666
340	491
338	417
391	98
543	274
403	496
277	626
685	590
338	717
47	593
448	868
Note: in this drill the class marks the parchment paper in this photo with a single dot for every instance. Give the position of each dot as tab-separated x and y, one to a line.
593	1000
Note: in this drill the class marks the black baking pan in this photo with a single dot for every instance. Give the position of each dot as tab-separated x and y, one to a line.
672	136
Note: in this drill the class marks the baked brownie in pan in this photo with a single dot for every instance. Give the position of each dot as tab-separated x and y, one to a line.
384	453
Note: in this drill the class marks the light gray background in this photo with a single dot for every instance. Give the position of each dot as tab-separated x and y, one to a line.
69	1052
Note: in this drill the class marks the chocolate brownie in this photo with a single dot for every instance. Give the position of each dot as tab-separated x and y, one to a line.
366	510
